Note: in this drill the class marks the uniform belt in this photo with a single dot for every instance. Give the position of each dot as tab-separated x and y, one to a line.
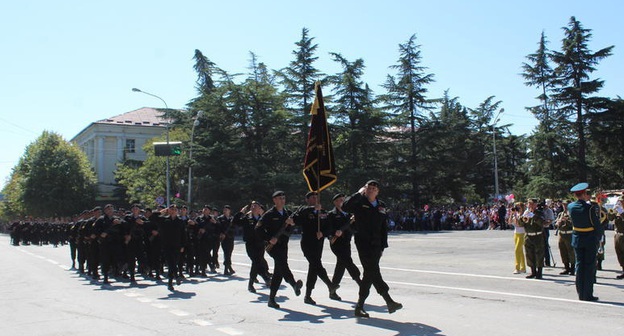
565	232
578	229
533	233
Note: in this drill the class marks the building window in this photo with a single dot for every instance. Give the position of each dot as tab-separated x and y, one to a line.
130	145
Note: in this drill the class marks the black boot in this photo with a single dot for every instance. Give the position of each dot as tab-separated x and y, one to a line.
566	271
272	303
297	287
599	265
391	304
539	273
572	269
533	274
621	276
359	311
170	284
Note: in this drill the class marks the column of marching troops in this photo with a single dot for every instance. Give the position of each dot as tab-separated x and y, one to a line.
105	244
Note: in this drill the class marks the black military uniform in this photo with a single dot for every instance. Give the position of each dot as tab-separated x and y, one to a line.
136	229
110	235
208	236
171	233
274	227
254	245
226	236
340	221
314	227
371	238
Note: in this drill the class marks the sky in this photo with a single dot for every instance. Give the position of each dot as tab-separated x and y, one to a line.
66	64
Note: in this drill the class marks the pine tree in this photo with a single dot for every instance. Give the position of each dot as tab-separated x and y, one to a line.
406	96
574	64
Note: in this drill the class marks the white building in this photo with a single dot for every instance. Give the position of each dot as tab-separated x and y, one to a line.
110	141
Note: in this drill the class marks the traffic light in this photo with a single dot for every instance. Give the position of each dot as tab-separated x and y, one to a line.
168	149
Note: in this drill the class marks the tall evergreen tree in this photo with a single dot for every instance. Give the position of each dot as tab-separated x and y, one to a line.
358	123
574	64
406	96
298	81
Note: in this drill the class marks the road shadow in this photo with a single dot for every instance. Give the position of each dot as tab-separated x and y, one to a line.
178	295
400	328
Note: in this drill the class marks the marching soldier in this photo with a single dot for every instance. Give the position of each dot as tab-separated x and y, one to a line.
534	243
208	236
274	228
587	231
313	222
226	236
110	235
254	245
135	241
564	227
618	217
340	244
371	238
171	233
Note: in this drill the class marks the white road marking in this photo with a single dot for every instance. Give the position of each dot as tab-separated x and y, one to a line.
202	323
132	294
52	261
144	300
179	312
230	331
160	305
528	296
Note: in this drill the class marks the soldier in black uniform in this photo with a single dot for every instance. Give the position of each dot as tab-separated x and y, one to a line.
207	235
153	245
254	245
137	233
226	236
371	238
340	243
274	227
110	235
314	226
93	246
171	233
191	247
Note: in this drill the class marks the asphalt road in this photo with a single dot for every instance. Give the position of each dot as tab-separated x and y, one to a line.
450	283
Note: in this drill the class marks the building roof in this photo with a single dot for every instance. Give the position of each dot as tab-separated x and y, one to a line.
145	116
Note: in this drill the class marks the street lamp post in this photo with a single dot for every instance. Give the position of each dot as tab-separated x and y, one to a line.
496	119
168	183
190	173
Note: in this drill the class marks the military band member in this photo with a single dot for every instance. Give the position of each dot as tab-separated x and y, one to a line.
274	227
617	215
564	227
371	238
340	244
586	231
314	226
534	242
